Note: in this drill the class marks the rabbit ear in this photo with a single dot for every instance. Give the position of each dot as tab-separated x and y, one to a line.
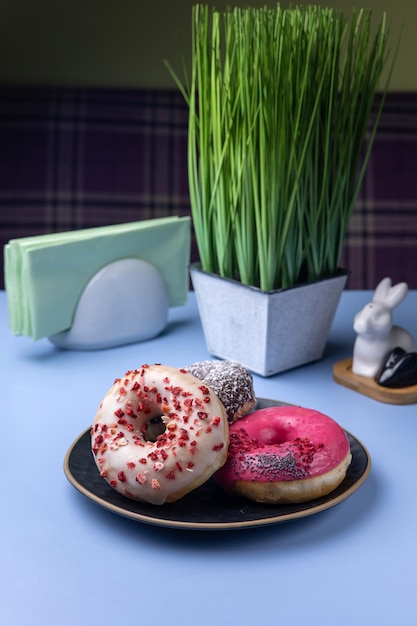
388	295
382	290
396	295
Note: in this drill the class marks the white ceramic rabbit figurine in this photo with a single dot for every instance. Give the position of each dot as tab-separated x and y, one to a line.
376	335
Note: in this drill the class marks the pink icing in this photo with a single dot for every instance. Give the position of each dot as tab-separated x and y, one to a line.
282	443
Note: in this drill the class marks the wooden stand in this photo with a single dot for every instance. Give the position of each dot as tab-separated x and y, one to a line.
342	374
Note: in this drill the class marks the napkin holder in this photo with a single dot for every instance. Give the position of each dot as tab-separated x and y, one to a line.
125	302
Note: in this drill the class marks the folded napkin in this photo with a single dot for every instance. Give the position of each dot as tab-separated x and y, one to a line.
45	275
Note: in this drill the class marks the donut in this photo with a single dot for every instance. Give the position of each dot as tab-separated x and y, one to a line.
231	382
285	454
192	446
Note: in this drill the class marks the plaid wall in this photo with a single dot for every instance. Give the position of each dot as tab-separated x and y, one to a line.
76	158
382	236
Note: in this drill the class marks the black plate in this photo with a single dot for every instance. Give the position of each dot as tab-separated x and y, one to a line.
208	507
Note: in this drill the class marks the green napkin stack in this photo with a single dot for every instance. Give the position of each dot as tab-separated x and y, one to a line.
46	275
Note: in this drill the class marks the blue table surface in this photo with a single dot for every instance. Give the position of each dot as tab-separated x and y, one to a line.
67	561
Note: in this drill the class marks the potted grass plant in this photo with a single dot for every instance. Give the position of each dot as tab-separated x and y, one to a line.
281	125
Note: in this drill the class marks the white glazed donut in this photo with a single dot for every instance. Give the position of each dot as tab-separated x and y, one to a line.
192	447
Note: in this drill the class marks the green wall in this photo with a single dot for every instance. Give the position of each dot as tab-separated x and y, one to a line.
123	42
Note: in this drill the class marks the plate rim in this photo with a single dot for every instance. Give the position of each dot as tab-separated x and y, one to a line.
189	525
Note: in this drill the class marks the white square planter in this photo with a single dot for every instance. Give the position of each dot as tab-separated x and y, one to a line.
271	332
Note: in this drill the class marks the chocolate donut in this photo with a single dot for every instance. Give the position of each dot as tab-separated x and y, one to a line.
231	382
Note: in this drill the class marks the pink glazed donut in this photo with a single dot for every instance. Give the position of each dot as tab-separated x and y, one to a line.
285	454
189	448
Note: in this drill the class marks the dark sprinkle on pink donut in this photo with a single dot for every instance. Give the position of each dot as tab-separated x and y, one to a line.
273	467
290	464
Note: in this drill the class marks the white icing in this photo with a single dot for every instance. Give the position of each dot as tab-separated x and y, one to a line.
193	446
